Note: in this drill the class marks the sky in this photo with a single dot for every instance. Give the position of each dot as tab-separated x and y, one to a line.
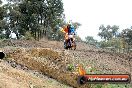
92	13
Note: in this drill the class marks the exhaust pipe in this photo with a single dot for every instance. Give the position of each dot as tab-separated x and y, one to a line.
2	55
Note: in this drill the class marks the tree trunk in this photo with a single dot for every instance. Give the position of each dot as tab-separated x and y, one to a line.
35	35
8	32
17	35
41	19
40	34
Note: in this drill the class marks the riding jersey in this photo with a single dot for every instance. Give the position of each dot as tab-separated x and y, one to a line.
71	30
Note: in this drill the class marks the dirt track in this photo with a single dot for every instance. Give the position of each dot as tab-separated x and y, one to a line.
117	63
15	76
102	61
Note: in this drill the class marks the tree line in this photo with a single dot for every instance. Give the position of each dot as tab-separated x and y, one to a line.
112	38
32	19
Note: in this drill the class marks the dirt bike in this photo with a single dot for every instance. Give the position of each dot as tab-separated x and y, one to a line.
70	44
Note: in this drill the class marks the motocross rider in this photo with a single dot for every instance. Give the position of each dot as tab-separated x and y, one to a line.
69	31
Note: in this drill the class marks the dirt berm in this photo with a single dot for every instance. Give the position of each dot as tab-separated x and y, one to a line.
52	63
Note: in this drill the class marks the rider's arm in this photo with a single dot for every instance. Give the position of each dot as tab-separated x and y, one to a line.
62	30
73	30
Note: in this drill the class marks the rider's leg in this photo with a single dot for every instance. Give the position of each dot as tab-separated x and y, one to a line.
64	44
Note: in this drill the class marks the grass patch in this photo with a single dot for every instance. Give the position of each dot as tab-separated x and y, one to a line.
111	86
70	67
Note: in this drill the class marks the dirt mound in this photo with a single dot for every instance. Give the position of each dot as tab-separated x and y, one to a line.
51	62
14	76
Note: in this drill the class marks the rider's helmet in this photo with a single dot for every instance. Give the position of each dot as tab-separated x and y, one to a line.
69	24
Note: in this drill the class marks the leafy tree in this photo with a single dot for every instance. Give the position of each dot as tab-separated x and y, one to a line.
111	36
2	21
108	32
38	17
90	40
126	36
33	15
114	30
104	32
